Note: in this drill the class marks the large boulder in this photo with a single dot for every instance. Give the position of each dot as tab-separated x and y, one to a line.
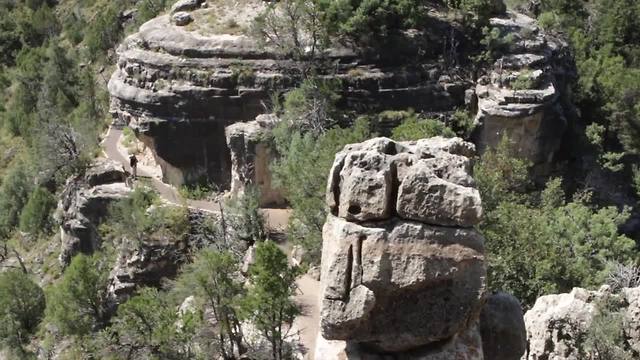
504	336
557	325
251	156
402	270
555	321
186	5
83	205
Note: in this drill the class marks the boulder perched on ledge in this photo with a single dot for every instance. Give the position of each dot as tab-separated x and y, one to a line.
403	269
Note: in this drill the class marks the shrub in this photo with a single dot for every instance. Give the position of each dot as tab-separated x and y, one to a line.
105	31
523	81
148	326
214	279
311	107
35	217
462	123
22	302
501	176
77	304
14	195
244	217
548	246
415	129
148	9
605	338
198	191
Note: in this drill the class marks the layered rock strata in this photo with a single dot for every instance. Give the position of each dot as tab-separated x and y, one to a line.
251	155
84	203
521	96
180	86
403	269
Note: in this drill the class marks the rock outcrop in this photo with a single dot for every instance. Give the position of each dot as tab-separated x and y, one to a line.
521	96
557	324
180	86
159	255
84	203
403	270
250	158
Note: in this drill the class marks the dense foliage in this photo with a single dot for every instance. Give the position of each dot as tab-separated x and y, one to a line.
22	304
530	236
77	304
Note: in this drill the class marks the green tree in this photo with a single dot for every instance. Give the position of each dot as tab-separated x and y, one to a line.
293	27
214	278
35	217
302	171
105	31
269	303
14	195
77	304
244	217
371	22
501	176
148	326
552	247
22	304
311	107
148	9
141	216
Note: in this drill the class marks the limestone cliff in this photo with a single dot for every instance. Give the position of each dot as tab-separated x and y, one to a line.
180	86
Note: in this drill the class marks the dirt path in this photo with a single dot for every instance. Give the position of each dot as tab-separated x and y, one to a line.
276	220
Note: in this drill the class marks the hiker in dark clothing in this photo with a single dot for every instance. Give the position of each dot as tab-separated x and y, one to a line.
133	161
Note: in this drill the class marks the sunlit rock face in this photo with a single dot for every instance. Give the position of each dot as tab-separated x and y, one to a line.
179	87
403	269
521	96
83	205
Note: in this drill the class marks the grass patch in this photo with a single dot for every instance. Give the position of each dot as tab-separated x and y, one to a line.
198	191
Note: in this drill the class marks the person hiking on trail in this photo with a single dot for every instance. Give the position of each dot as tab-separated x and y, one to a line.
133	161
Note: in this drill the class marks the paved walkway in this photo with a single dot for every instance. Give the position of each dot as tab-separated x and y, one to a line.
276	220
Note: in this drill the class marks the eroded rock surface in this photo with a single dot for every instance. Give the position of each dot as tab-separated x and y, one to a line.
521	96
180	86
403	270
84	203
557	324
251	156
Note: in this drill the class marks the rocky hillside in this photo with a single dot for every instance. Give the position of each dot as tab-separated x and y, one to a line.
319	179
179	85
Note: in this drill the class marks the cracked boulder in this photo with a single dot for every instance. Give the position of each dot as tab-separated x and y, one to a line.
84	203
403	270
